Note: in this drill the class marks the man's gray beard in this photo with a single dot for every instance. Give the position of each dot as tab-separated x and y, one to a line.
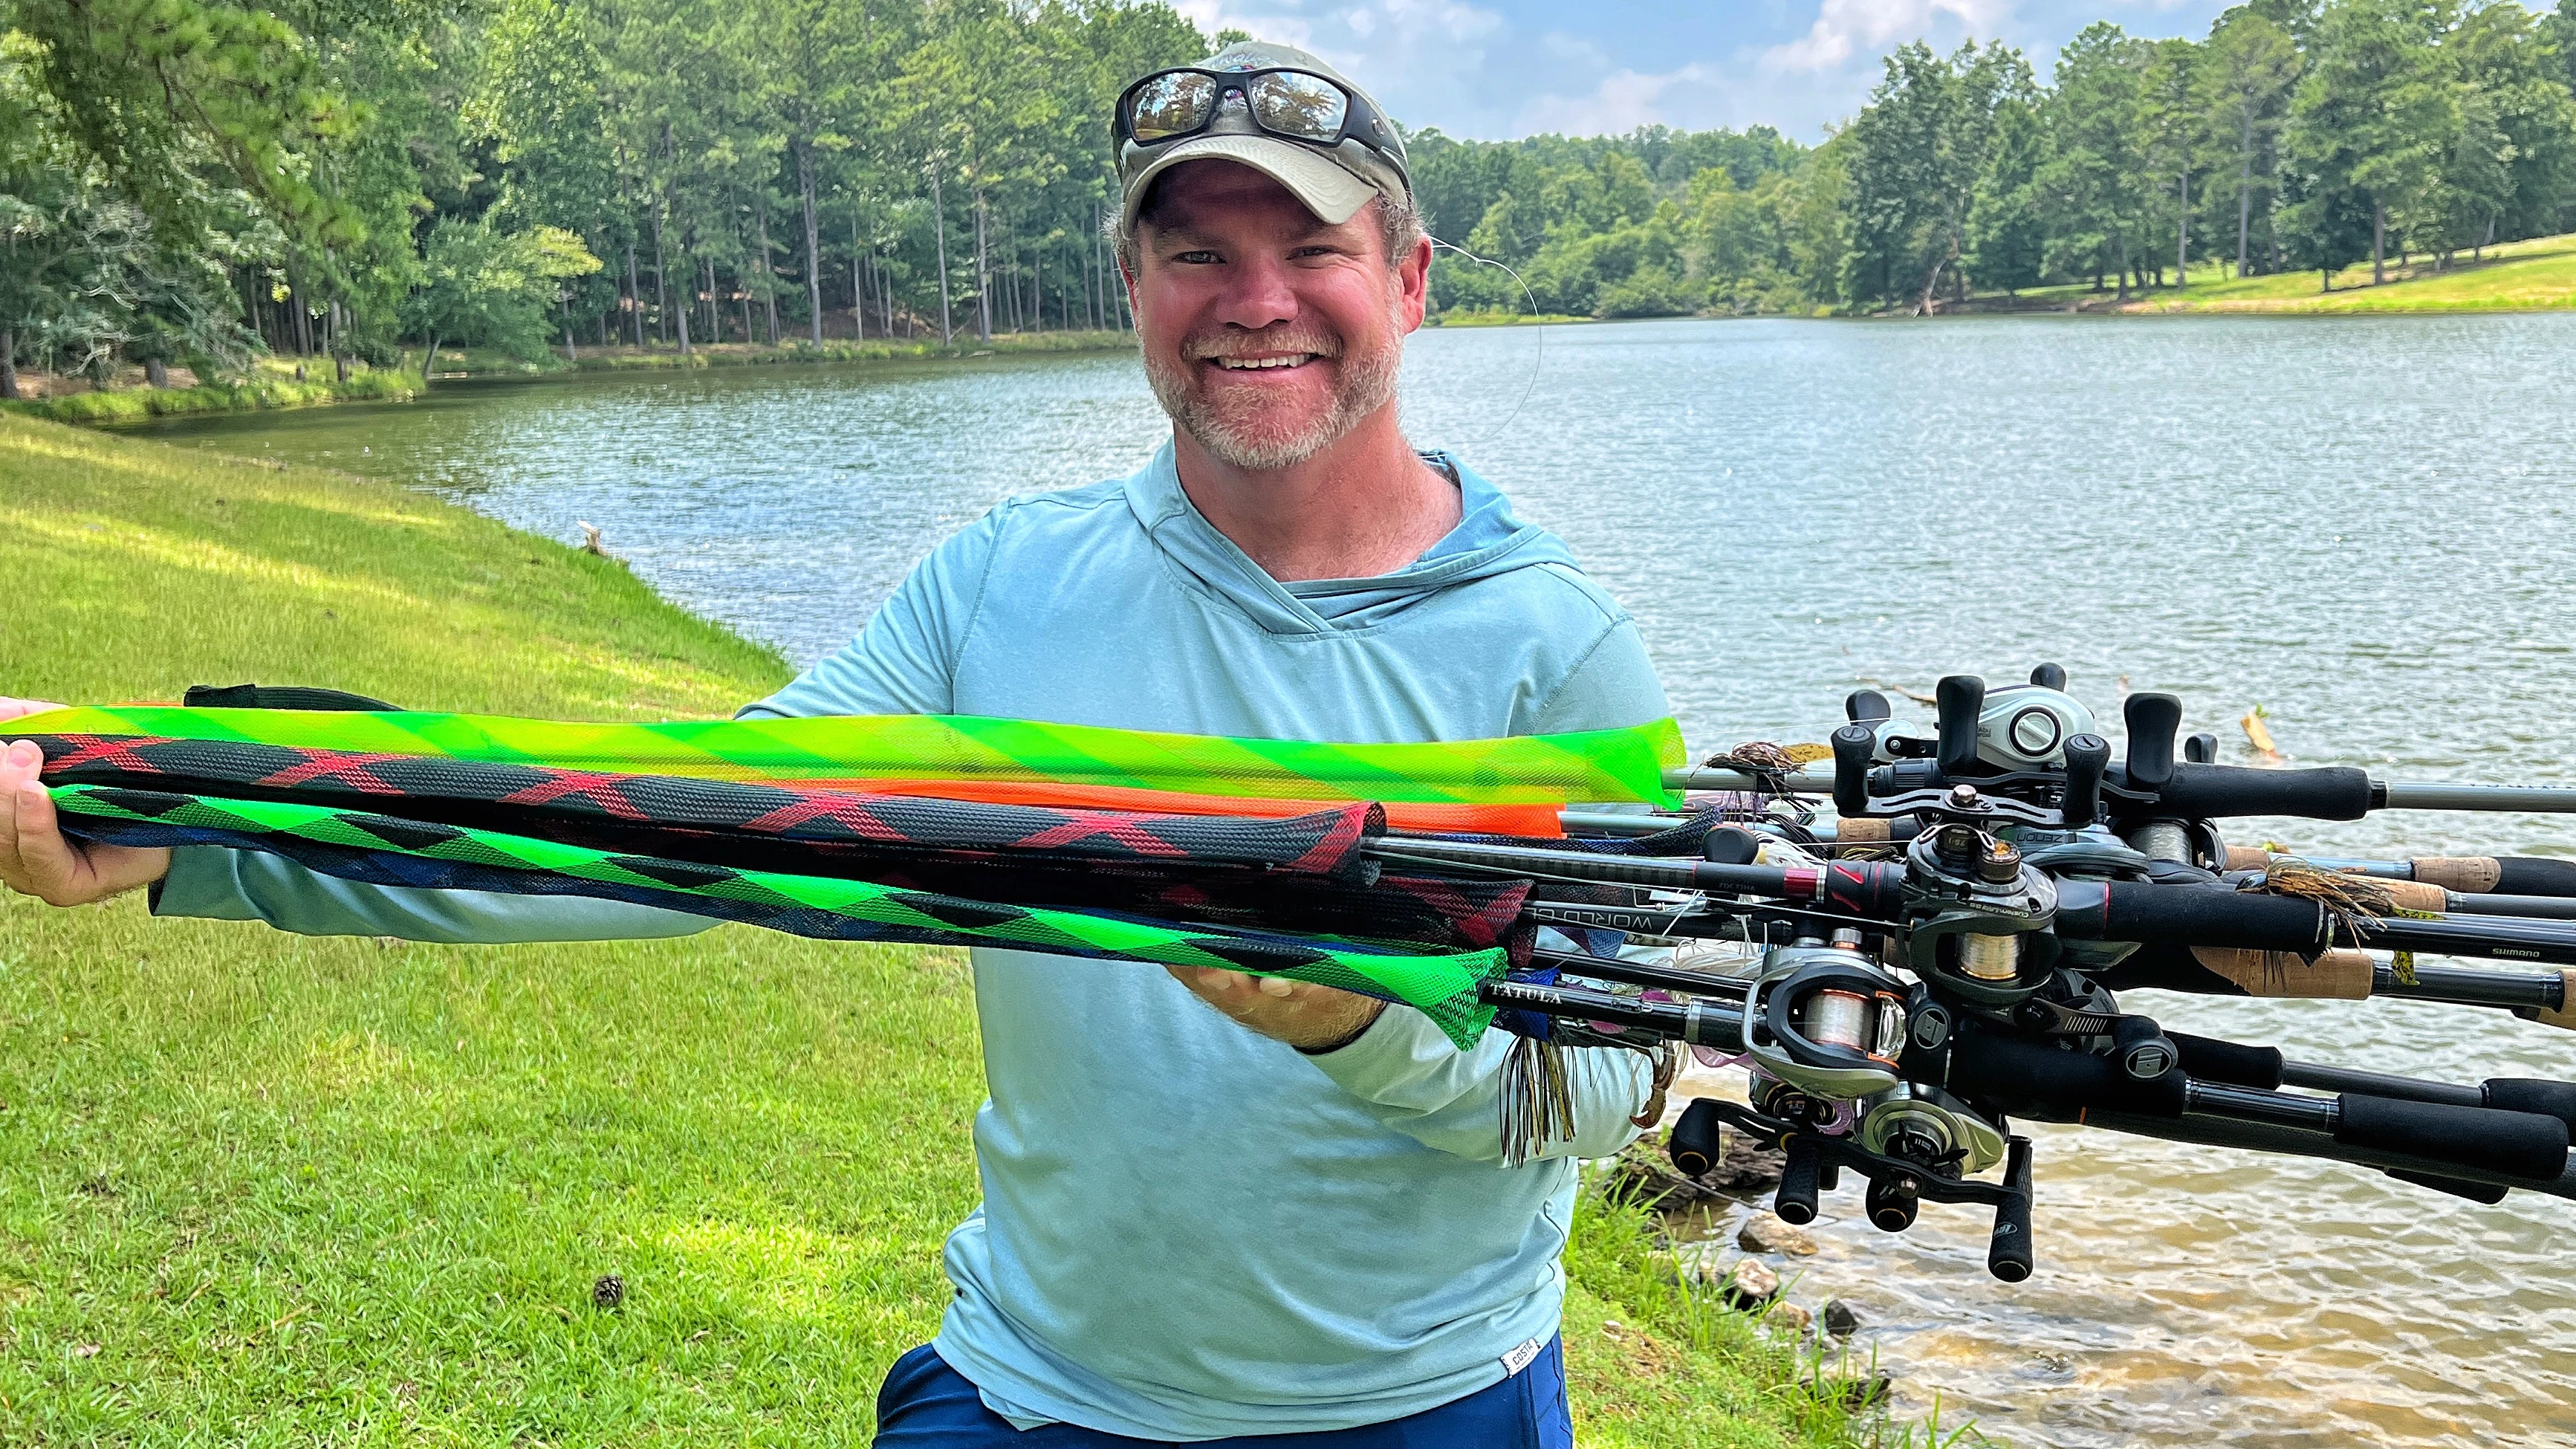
1365	386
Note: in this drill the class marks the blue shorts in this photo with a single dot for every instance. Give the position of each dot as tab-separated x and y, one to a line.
925	1403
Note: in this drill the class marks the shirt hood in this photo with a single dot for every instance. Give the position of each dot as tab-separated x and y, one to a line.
1488	539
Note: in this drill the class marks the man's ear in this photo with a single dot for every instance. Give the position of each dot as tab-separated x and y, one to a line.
1413	276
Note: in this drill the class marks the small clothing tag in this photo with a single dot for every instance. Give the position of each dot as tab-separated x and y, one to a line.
1519	1358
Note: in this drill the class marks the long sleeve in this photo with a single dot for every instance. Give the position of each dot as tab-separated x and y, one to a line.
1413	1081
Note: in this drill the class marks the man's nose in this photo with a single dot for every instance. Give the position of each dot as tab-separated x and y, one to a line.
1257	294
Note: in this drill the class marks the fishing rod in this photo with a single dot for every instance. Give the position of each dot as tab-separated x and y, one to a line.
1935	936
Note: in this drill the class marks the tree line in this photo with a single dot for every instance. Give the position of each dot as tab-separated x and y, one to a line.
362	179
2296	136
197	180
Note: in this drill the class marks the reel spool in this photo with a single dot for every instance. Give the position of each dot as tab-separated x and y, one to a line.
1826	1025
1986	938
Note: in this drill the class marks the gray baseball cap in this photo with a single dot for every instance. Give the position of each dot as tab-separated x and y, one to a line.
1333	181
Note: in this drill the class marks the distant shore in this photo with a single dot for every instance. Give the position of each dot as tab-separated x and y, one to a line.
271	382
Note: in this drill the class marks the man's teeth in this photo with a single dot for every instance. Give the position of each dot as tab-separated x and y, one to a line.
1245	364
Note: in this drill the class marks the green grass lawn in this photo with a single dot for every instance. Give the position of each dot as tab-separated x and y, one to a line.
262	1189
2524	276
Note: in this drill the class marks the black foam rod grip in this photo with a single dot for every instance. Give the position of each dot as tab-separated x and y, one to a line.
1961	699
2526	1094
1852	744
2008	1257
1796	1201
2207	1059
2087	757
2534	875
1867	706
2514	1144
1694	1145
2209	792
2152	720
2190	915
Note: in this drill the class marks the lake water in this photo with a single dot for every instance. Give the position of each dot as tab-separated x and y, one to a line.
2362	525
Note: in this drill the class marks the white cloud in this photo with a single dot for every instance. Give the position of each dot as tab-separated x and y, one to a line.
1624	100
1845	26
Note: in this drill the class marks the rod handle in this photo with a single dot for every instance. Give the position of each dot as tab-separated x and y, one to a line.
2564	1018
2515	1144
1960	699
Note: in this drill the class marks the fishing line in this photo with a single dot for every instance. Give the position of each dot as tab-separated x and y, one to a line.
1538	350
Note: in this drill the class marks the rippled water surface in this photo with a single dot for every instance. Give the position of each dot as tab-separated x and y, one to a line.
2361	525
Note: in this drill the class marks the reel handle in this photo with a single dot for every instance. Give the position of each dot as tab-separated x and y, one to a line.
1795	1203
2049	676
2152	721
2008	1254
2088	756
1961	699
1853	745
1867	707
1695	1145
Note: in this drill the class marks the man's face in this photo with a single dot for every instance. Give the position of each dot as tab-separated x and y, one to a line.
1267	334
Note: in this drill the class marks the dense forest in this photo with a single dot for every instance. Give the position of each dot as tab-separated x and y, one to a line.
358	179
201	182
2294	137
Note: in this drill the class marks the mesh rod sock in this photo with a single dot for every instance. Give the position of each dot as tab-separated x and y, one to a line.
1594	765
1443	987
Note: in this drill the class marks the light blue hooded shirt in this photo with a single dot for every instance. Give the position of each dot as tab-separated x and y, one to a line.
1190	1231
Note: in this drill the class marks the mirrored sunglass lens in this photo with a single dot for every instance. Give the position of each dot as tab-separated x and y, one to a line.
1300	105
1171	105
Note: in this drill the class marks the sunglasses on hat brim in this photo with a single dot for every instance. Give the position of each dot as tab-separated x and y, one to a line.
1298	105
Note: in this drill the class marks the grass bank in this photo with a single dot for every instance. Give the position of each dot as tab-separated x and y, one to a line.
271	384
2538	275
257	1188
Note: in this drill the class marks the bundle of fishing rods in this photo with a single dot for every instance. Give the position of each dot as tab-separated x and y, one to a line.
1943	958
1905	982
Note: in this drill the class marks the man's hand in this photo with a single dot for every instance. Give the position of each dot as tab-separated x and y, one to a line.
36	858
1309	1018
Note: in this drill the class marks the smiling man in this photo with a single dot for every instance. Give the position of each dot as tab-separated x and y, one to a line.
1212	1208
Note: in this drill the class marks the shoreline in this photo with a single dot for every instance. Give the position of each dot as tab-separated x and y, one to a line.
113	406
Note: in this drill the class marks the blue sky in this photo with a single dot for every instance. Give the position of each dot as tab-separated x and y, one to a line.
1505	68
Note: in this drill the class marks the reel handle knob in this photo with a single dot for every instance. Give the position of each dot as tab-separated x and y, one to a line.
2152	719
2049	676
1796	1202
1731	845
1867	707
1892	1203
1694	1145
2201	749
2087	757
2008	1255
1853	745
1961	699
